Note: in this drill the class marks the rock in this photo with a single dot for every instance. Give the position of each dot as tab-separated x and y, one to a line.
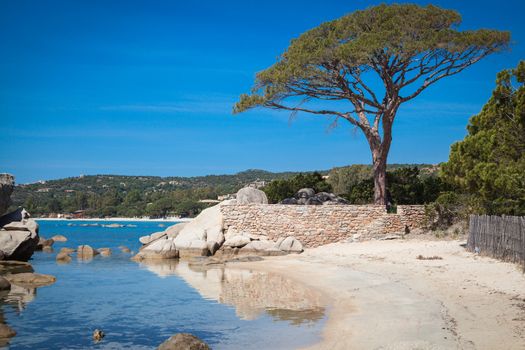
98	335
183	341
206	227
67	250
212	247
104	251
237	241
313	201
389	237
258	246
63	257
124	249
173	231
85	252
29	279
289	201
7	185
325	196
12	267
153	237
305	193
48	249
291	245
42	243
4	284
113	225
5	333
18	245
249	195
302	201
59	238
160	249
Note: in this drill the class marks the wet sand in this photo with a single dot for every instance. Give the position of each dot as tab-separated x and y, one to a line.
382	297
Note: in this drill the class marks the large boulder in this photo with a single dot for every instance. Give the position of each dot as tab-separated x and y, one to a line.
19	244
59	238
159	249
7	184
207	227
183	341
249	195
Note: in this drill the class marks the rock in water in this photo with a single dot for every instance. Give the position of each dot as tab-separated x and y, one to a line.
98	335
7	184
59	238
85	252
183	341
104	251
18	245
44	243
30	280
63	257
67	250
248	195
160	249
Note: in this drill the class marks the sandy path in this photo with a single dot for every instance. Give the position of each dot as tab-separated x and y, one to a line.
382	297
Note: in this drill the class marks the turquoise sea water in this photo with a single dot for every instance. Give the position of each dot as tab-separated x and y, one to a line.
138	306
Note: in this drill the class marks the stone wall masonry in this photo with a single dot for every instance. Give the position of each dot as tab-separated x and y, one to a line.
316	225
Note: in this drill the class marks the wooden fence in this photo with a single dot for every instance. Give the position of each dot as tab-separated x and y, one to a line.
501	237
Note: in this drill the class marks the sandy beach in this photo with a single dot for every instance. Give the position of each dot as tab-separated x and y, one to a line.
381	296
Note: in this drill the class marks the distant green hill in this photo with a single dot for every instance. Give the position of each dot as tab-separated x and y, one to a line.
128	196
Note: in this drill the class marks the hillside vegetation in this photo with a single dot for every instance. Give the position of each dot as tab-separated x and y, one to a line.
131	196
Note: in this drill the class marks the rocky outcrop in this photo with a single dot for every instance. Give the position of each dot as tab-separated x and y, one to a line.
7	184
18	233
248	195
206	228
183	341
18	236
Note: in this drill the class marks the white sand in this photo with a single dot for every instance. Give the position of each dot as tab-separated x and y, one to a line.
382	297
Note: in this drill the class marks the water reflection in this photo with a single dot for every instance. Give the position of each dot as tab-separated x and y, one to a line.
251	293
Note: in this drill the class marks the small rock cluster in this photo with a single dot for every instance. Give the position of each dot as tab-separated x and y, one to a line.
307	196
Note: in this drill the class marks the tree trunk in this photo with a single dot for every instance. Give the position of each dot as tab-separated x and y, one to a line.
379	166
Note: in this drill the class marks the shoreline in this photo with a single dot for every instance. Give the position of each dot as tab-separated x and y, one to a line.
379	295
168	219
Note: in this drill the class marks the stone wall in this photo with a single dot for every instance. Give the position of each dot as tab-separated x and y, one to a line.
316	225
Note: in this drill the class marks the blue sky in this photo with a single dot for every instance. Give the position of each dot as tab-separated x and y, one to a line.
147	87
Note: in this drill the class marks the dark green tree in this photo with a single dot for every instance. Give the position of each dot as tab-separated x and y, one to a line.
489	164
363	66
